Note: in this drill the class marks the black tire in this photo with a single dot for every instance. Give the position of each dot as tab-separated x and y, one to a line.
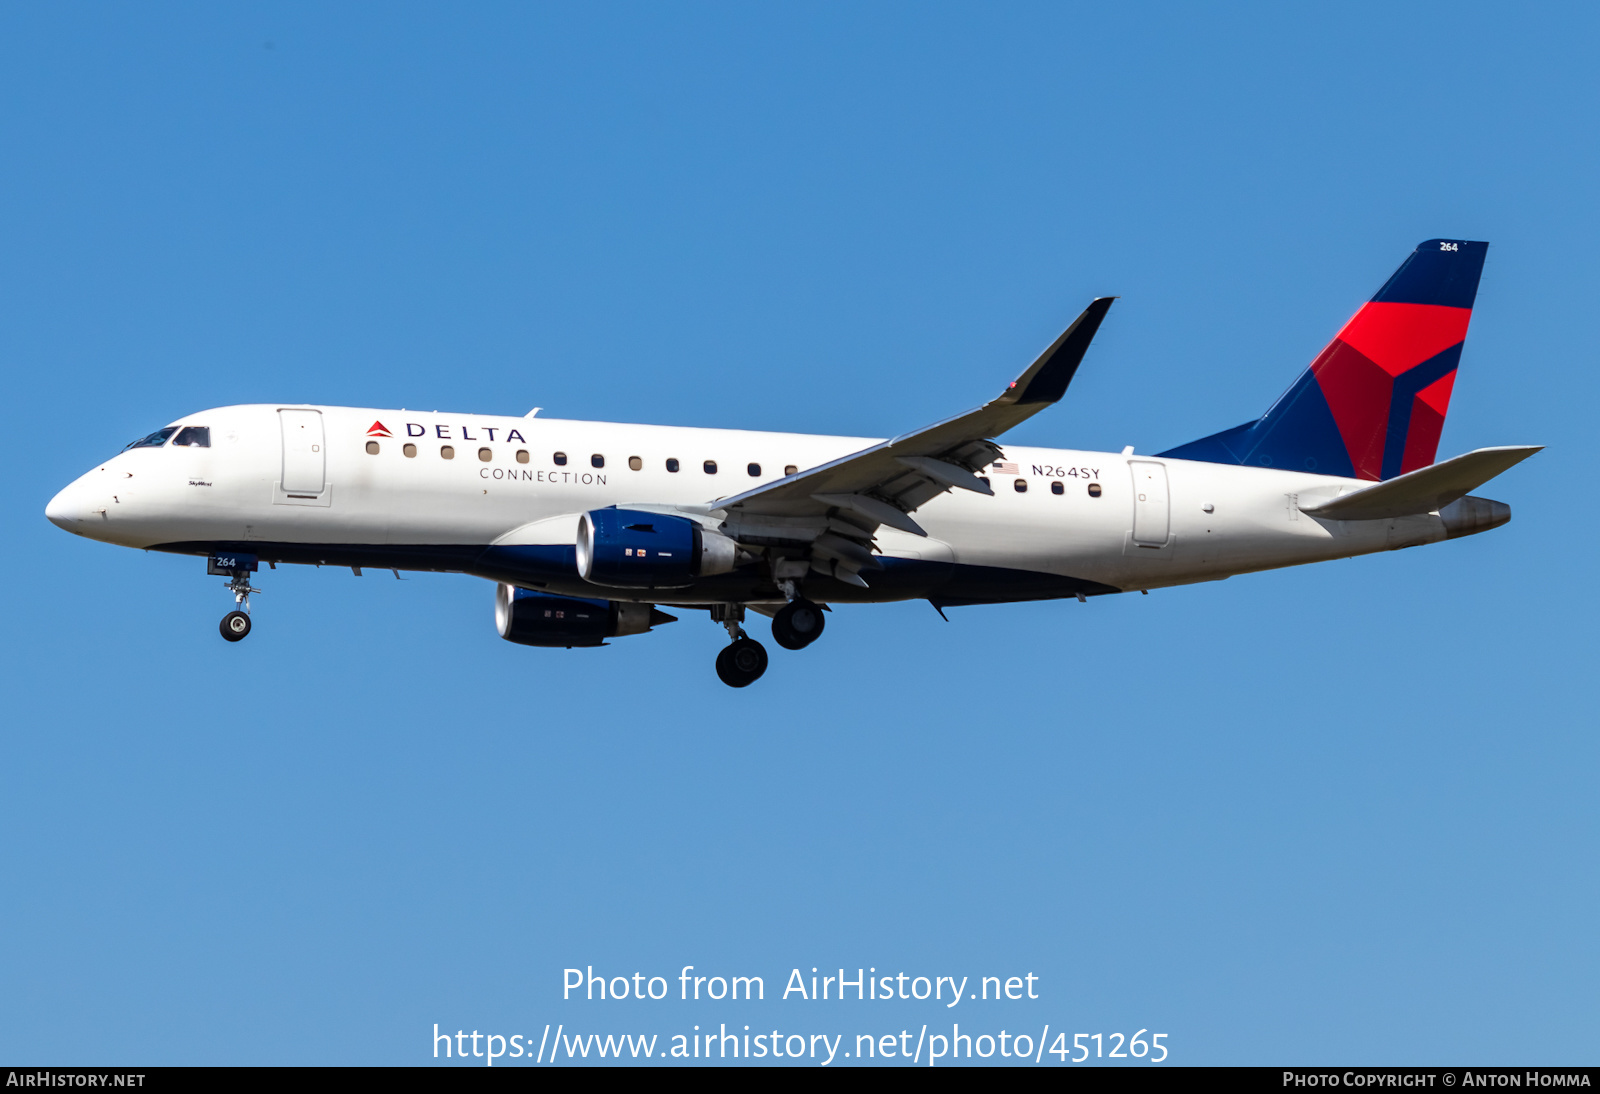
742	663
235	625
797	624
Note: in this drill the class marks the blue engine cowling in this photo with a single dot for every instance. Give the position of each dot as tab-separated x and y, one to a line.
541	619
629	549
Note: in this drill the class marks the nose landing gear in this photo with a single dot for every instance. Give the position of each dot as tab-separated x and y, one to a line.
235	625
236	568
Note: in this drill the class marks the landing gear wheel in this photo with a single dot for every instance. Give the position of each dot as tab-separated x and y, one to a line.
742	663
797	624
235	625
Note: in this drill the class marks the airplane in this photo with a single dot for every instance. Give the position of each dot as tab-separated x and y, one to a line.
589	529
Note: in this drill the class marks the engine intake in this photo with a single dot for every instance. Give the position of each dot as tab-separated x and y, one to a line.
543	619
629	549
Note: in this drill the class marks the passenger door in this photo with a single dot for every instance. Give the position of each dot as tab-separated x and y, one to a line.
304	455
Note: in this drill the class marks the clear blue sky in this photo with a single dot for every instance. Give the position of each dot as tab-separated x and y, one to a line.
1341	813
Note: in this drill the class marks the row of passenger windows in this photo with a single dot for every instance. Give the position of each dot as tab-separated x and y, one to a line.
1057	487
635	463
199	436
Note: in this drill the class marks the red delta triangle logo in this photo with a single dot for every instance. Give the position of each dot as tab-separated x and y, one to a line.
379	430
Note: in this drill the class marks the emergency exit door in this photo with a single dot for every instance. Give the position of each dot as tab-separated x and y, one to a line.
1150	508
304	455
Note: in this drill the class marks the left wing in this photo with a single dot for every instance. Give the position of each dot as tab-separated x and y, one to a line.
835	508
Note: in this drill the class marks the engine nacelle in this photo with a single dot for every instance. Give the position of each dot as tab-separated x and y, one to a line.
629	549
543	619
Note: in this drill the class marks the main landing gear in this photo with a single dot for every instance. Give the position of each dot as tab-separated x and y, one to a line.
797	624
741	662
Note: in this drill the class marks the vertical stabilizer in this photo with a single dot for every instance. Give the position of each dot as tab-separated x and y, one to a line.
1373	403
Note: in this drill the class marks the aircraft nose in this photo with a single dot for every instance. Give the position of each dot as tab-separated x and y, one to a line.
70	508
60	511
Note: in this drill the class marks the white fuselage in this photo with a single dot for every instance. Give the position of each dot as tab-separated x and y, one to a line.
1151	522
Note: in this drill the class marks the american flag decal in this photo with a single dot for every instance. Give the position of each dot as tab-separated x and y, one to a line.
1000	467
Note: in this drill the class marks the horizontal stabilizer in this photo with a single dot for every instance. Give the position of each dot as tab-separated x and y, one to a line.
1424	490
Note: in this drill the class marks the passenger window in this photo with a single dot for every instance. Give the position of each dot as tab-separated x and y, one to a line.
755	470
1094	490
672	465
485	455
410	450
789	469
711	467
522	455
597	460
984	479
372	448
560	459
154	440
447	451
635	463
194	436
1057	487
1020	486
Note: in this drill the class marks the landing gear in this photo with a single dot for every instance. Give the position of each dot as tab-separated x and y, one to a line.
742	663
235	625
797	624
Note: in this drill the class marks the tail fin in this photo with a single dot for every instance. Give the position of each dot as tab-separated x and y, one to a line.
1372	405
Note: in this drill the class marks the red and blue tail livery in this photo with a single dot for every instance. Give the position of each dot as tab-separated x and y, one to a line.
1373	403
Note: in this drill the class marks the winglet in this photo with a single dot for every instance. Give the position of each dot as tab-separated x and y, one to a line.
1047	378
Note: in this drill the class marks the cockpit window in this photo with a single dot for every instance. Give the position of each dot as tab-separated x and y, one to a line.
195	436
155	440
